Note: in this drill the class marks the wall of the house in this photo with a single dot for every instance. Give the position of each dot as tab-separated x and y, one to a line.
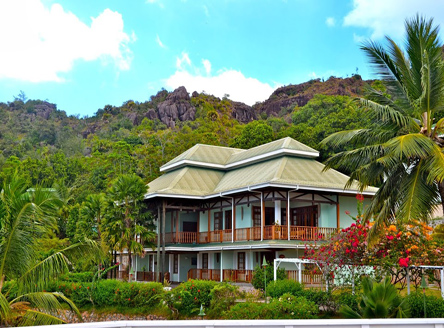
349	203
185	264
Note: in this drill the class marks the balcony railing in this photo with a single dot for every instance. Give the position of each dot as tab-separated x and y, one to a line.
214	274
273	232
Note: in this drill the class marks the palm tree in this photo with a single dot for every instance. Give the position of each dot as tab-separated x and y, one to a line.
25	216
378	301
127	225
402	153
91	213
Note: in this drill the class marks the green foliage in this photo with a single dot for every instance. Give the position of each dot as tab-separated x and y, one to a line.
379	300
223	297
279	287
434	306
258	281
191	294
285	307
77	277
253	134
110	293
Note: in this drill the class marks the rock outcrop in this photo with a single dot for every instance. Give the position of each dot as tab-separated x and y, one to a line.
177	106
298	95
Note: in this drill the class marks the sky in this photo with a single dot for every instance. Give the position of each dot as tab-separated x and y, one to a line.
85	54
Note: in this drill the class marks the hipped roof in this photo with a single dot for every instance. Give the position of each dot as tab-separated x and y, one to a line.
206	171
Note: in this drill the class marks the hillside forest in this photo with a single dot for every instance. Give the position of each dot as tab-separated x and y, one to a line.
81	157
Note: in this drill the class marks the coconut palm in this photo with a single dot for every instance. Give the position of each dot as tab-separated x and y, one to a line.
402	153
25	216
379	300
91	213
128	217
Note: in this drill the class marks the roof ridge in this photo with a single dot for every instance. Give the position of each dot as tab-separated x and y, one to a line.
281	168
178	177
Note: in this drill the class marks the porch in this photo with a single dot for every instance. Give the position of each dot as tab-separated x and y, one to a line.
271	232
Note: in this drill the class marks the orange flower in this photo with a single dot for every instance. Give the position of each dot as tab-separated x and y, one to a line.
392	228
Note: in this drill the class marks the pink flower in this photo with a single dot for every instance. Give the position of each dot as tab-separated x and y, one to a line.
390	237
347	212
404	262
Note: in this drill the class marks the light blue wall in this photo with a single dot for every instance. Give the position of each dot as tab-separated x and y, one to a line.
327	217
227	262
243	216
349	203
185	265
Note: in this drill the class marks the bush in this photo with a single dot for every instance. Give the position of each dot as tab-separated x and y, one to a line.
77	277
285	307
112	293
348	299
434	306
191	294
280	287
258	276
223	296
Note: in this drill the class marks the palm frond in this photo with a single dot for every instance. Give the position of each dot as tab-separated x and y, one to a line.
5	309
36	318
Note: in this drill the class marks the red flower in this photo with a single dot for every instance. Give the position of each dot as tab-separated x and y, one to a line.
390	237
404	262
347	212
360	197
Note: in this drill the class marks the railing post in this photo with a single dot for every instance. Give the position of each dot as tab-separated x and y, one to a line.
273	227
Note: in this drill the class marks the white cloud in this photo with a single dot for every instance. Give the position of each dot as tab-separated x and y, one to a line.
387	17
207	65
330	21
205	8
226	81
312	75
39	43
160	42
183	62
159	2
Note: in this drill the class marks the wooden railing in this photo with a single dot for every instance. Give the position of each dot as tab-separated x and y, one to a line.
143	276
311	233
273	232
214	274
308	277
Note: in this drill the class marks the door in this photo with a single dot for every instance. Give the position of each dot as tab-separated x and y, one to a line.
217	221
306	216
228	220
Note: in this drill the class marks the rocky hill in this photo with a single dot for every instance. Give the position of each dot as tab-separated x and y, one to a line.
290	96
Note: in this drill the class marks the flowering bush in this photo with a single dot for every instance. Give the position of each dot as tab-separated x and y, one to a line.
189	295
347	255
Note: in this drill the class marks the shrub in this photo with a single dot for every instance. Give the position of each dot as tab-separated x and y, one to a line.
348	299
191	294
223	296
77	277
280	287
112	293
245	311
285	307
258	276
292	307
434	306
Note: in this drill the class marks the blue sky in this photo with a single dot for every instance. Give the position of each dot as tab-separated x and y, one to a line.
83	54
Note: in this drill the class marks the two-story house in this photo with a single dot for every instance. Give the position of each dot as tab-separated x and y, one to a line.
221	210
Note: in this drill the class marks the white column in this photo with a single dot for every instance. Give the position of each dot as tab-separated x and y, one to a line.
277	211
135	271
262	216
221	266
199	260
300	273
210	260
274	270
408	280
442	283
288	215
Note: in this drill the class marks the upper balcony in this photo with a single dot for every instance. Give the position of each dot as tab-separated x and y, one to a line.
271	232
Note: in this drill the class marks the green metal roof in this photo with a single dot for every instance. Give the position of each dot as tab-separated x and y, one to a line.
224	158
305	173
285	143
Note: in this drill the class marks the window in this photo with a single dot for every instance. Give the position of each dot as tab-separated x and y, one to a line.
228	221
175	263
241	261
205	261
256	216
217	221
306	216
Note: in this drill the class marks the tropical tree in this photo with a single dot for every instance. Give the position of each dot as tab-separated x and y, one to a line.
91	213
128	225
25	216
402	153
